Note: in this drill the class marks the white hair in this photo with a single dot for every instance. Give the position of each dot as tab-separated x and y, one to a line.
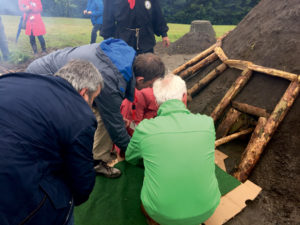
168	88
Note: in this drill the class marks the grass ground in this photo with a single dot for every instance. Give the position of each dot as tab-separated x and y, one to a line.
64	32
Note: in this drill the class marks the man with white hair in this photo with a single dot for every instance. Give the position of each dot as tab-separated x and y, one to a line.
177	147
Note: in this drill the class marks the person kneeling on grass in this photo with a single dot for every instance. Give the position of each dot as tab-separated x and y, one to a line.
177	147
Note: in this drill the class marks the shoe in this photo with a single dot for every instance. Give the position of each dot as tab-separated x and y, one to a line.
103	169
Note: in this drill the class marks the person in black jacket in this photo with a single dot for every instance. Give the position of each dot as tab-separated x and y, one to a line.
122	72
46	141
136	22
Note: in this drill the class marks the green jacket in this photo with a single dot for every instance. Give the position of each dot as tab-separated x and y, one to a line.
180	186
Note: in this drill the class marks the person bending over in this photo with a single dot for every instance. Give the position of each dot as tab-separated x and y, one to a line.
122	73
177	148
46	141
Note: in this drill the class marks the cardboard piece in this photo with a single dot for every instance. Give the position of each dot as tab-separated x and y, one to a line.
233	202
219	159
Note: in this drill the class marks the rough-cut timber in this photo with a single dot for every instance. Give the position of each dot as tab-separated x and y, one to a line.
221	54
194	60
212	57
249	109
208	78
263	133
231	93
231	117
231	137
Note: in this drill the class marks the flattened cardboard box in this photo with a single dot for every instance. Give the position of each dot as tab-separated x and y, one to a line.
233	202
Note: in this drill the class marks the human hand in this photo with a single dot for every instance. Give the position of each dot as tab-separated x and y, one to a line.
127	122
166	41
85	12
89	12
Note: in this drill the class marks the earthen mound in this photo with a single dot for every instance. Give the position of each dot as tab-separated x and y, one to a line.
268	36
200	37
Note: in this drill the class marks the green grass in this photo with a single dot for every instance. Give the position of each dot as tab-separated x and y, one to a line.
64	32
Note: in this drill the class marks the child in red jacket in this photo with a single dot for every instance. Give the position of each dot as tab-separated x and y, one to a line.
34	24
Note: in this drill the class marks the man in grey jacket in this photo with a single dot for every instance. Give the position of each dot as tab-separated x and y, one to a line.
122	72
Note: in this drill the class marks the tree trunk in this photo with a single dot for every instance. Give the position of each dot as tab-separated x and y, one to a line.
231	93
264	132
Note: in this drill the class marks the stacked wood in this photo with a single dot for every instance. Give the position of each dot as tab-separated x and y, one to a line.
212	57
231	93
207	79
194	60
249	109
223	128
231	137
264	132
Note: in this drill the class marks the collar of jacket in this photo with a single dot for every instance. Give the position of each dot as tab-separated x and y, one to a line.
172	106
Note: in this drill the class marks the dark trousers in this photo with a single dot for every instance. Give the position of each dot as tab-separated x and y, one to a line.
96	28
33	43
3	42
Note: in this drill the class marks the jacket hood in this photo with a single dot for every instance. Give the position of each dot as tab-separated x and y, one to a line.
121	54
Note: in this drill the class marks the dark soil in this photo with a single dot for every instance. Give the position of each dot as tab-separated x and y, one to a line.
269	36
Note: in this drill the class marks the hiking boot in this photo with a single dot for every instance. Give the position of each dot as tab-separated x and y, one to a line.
103	169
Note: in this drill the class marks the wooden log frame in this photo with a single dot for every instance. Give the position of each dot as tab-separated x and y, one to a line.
207	79
264	132
231	116
249	109
221	54
231	137
212	57
194	60
242	65
231	93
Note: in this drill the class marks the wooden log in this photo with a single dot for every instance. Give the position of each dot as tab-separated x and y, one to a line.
238	64
208	78
249	109
221	54
231	93
274	72
231	137
194	60
231	117
212	57
264	132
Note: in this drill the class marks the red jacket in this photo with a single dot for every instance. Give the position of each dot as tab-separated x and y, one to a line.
143	107
32	15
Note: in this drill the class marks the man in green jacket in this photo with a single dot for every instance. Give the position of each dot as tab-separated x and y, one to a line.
177	147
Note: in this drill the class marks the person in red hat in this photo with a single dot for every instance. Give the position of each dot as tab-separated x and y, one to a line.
33	23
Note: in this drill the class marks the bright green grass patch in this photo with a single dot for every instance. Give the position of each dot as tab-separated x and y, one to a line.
64	32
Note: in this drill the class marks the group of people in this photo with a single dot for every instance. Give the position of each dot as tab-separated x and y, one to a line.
74	110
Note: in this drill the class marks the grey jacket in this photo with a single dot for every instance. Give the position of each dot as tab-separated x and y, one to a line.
115	86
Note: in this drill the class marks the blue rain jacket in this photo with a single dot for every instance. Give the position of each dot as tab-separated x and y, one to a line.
96	7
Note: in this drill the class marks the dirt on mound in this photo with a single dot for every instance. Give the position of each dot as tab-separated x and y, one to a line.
200	37
268	36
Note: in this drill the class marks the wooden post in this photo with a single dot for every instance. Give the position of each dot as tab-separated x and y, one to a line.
212	57
209	77
231	137
221	54
231	93
231	117
195	59
264	132
249	109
